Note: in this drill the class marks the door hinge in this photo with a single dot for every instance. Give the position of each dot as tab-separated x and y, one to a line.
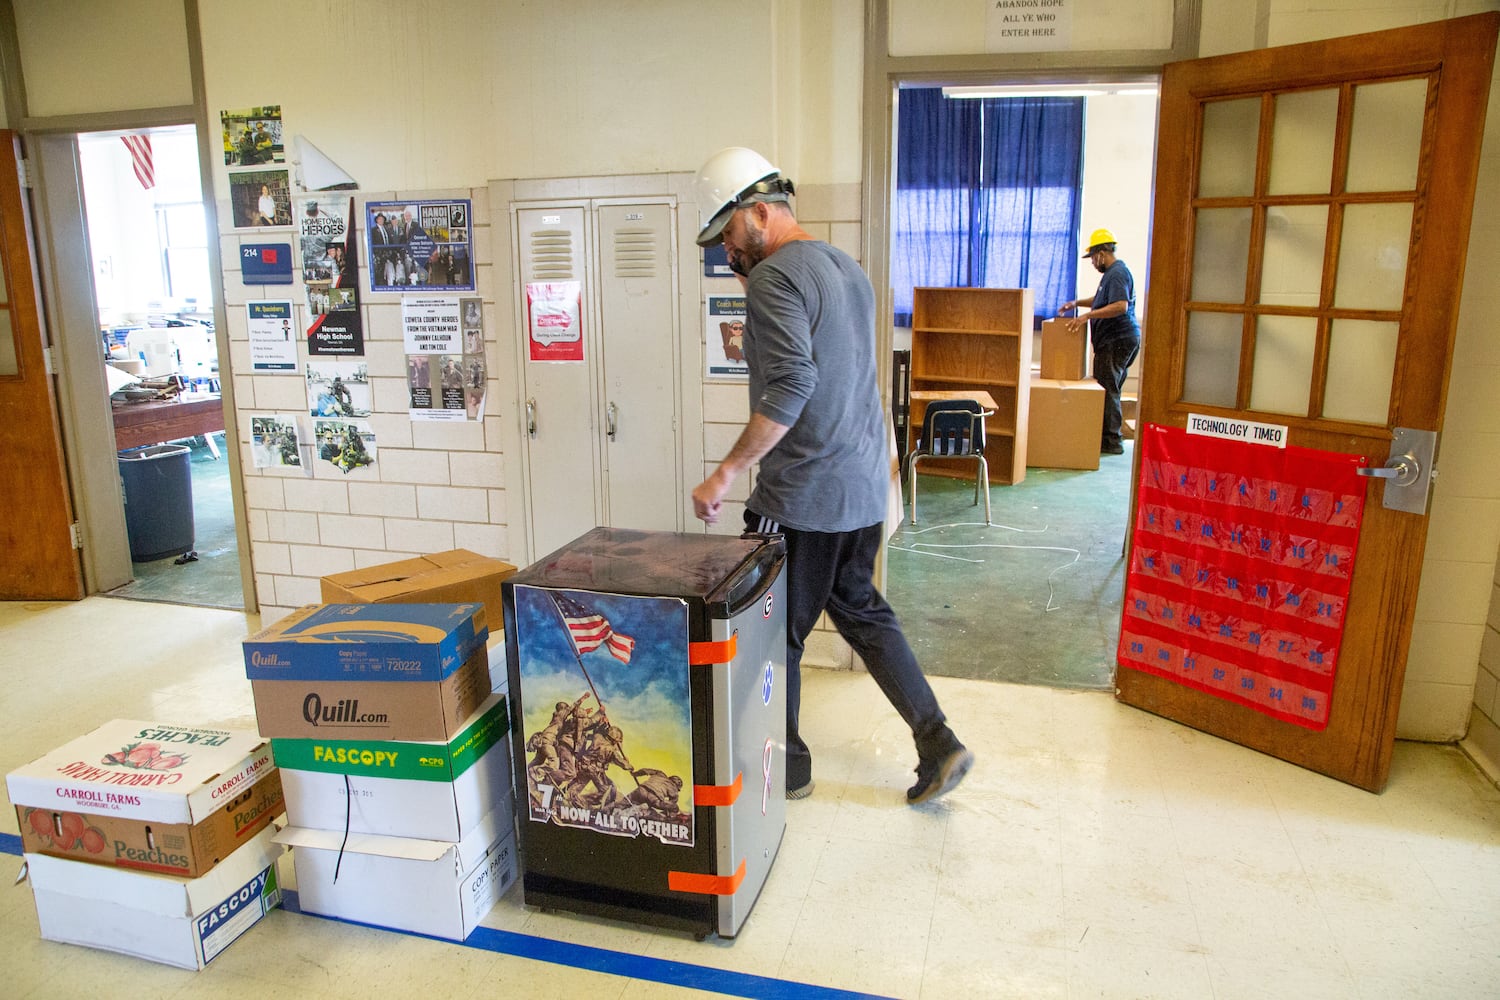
23	172
77	533
47	360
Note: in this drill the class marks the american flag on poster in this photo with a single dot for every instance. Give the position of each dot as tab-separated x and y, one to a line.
589	630
140	158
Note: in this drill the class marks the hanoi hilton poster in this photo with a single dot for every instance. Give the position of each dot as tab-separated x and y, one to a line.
606	714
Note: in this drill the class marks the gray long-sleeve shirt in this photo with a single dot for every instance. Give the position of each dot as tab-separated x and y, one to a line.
810	348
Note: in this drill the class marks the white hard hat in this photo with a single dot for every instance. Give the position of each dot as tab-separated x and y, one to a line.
733	177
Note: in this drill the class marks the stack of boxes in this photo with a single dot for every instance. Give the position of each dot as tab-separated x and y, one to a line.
150	839
1067	407
391	742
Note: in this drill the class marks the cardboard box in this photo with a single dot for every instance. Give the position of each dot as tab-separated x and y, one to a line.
455	576
1065	423
372	709
1065	354
151	796
424	791
164	918
424	886
388	642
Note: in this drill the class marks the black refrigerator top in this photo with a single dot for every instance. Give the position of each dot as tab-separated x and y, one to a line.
664	563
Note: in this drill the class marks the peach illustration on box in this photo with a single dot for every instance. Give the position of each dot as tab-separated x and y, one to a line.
146	757
65	831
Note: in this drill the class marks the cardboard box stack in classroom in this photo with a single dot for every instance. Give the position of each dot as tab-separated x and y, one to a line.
1065	353
1065	424
151	839
377	671
418	828
457	576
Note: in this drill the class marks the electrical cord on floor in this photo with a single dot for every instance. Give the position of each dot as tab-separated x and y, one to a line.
921	549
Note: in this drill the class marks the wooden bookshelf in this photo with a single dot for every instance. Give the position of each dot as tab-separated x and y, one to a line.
977	338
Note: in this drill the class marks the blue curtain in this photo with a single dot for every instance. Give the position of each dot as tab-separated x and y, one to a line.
987	196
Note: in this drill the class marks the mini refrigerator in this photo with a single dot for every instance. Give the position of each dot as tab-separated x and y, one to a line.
647	678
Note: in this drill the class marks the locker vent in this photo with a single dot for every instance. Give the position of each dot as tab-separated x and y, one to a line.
635	253
552	254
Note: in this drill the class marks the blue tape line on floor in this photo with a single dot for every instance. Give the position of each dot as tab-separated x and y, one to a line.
615	963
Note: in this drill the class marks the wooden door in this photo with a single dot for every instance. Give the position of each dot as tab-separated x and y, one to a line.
36	507
1311	226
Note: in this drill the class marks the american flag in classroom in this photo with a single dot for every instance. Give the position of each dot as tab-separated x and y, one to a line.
589	630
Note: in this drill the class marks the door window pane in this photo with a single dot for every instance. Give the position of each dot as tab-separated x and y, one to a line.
1302	142
1292	266
1361	368
1221	254
1231	132
1282	376
1212	366
1372	256
8	364
1385	137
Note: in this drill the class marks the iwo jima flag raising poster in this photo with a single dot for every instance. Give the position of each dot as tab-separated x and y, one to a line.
604	691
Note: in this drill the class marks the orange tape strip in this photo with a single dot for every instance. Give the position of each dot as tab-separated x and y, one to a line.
707	885
700	653
718	795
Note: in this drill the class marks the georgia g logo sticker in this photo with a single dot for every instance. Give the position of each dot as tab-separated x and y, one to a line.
766	610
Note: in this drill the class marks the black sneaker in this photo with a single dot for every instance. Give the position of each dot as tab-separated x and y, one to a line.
801	791
939	776
1112	449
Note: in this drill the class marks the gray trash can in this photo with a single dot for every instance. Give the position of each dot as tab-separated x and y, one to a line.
158	486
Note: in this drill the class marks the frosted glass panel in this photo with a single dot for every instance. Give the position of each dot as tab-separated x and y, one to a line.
1372	256
1302	142
1386	136
1211	371
7	345
1361	366
1282	376
1221	255
1292	266
1231	131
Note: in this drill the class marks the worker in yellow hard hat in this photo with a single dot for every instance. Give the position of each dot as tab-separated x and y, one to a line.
1113	331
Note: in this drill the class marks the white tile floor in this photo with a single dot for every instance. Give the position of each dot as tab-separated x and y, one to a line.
1095	851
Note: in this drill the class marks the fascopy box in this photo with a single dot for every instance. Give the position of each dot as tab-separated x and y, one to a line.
165	918
1064	352
1065	424
455	576
425	791
425	886
152	796
388	709
340	642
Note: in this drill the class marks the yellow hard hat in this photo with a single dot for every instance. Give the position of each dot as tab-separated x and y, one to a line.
1097	239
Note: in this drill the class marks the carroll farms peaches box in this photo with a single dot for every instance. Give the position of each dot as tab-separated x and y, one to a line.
156	797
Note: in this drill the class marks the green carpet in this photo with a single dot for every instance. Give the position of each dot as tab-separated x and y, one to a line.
213	578
1035	597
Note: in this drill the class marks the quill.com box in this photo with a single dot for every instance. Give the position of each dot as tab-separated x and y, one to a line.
423	790
153	796
165	918
345	642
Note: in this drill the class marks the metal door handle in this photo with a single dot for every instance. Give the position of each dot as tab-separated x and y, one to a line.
531	417
612	421
1403	470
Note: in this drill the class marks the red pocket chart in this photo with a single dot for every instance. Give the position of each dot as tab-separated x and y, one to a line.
1240	569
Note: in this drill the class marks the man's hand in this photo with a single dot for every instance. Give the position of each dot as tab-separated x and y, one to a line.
708	498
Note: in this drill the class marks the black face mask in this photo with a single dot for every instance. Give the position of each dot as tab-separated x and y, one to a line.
737	265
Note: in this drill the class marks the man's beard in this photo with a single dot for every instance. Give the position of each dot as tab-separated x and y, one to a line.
751	253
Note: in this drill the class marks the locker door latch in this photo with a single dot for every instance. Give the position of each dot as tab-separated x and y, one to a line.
531	417
612	420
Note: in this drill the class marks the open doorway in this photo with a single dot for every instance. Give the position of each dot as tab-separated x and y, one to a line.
1035	596
148	242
